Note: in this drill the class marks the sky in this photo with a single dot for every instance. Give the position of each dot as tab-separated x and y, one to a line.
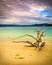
25	12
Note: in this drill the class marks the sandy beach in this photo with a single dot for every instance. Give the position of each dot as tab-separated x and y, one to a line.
21	54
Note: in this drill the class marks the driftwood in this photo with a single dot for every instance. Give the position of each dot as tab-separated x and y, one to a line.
39	39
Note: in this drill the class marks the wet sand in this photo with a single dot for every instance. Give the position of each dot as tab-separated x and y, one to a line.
21	54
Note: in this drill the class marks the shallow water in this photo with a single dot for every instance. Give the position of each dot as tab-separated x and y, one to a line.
13	32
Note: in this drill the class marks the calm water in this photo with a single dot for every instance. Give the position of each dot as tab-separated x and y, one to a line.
13	32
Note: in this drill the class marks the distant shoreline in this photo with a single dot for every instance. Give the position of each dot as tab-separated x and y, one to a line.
14	25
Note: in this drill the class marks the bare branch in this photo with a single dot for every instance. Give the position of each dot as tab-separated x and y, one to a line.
42	34
23	42
28	35
32	44
42	44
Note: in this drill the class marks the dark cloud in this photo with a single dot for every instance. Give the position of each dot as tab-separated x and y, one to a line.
7	6
49	16
46	2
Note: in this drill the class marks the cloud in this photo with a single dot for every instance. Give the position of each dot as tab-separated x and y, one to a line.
49	16
25	11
